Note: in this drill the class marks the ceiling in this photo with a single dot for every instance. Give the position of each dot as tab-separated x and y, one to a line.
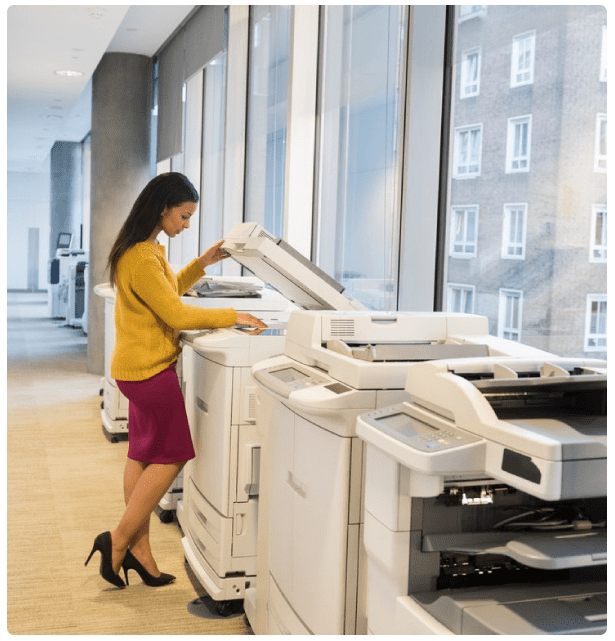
43	107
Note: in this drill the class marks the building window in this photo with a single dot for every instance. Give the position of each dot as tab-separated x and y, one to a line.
270	27
595	323
598	247
600	163
460	298
212	151
464	231
603	56
468	151
509	317
513	235
470	73
469	11
522	65
359	150
518	144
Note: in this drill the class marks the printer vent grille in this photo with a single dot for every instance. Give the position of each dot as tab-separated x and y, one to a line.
263	234
342	327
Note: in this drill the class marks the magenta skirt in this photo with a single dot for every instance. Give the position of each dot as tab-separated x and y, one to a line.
158	429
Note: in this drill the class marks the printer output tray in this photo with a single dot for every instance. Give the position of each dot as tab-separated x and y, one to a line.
542	550
569	608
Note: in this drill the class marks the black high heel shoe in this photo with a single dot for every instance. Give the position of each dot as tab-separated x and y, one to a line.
131	562
102	544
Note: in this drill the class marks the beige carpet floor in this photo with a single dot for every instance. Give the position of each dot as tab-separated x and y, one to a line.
64	486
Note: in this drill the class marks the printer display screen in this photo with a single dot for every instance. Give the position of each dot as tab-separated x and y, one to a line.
289	375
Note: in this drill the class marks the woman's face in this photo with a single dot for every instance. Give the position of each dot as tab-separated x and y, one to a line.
176	219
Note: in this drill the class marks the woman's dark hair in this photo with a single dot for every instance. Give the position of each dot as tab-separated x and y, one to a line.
166	190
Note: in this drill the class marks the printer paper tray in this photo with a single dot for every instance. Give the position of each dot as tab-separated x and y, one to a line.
543	550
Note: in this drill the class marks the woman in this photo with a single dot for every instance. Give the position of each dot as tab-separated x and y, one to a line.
149	315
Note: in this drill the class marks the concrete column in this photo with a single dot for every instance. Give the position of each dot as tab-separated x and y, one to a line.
65	169
120	168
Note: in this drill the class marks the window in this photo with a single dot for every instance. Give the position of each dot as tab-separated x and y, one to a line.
267	116
358	174
603	57
598	246
468	151
600	163
212	163
542	189
513	236
522	65
470	74
464	231
460	298
469	11
518	144
595	323
509	317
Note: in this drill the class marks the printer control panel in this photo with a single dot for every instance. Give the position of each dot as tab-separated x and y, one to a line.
428	438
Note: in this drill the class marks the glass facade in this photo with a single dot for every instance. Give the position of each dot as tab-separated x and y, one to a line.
527	199
361	89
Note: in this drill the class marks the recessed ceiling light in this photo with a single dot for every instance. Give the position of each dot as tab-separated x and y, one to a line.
68	73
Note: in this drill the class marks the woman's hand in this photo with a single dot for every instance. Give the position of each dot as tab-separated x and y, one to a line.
213	255
248	320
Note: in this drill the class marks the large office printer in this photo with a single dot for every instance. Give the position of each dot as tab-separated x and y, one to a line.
336	366
63	300
218	511
485	499
246	294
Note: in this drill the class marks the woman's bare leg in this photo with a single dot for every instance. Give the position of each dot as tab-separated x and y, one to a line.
140	545
145	485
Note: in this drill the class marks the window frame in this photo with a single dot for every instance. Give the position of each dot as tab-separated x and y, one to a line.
457	150
511	144
593	245
465	242
514	61
506	229
603	55
600	159
591	299
464	83
464	291
506	294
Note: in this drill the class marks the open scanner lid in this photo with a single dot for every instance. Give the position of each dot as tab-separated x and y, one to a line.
279	265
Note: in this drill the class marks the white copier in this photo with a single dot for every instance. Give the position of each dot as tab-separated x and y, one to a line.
485	499
218	512
336	366
246	294
66	291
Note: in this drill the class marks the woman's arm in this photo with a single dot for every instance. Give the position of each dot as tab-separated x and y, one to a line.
148	281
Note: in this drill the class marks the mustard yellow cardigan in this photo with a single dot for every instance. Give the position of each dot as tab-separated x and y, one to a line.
149	312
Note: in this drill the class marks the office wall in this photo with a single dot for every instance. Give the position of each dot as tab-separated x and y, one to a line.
28	197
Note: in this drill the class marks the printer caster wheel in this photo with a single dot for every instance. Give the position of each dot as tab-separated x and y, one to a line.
166	516
225	608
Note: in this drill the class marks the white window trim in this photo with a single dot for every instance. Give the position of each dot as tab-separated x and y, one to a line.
593	298
504	295
458	132
506	231
603	55
464	66
600	161
452	252
514	69
479	12
593	247
468	289
510	144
